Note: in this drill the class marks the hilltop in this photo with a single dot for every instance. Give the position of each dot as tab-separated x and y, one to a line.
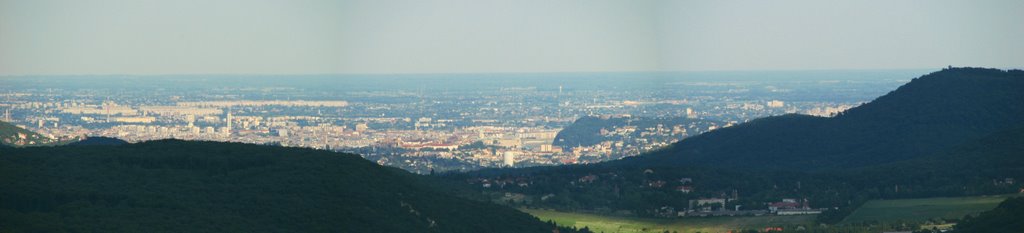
1004	218
929	114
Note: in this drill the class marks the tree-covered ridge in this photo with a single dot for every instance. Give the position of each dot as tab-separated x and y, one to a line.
928	115
179	186
12	135
1007	217
991	165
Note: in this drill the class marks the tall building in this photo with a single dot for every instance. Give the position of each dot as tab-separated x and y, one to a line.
191	119
510	158
228	121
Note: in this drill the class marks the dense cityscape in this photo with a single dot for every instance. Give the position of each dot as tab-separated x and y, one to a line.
442	123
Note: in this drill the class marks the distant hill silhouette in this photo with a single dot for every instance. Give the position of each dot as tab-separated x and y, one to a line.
180	186
98	141
930	114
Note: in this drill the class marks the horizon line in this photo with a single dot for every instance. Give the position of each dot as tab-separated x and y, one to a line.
490	73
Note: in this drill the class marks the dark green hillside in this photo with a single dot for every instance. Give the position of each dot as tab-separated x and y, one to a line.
12	135
928	115
1007	217
179	186
979	167
997	156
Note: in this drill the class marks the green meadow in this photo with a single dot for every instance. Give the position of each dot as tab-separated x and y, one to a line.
608	224
923	209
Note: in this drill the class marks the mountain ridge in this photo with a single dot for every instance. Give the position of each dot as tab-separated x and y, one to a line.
917	119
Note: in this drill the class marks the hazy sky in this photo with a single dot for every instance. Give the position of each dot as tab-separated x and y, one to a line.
424	36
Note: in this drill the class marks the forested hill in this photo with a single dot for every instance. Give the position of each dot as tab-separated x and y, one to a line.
1004	218
927	115
586	131
12	135
180	186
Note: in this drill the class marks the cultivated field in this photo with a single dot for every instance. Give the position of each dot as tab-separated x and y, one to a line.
923	209
608	224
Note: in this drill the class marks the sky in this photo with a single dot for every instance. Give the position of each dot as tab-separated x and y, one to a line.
95	37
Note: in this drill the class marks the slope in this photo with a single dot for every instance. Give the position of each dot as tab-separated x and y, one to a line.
179	186
1004	218
927	115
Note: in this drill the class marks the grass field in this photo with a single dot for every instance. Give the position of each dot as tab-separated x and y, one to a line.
923	209
608	224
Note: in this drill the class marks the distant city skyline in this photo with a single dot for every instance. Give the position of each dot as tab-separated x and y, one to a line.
431	122
150	37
